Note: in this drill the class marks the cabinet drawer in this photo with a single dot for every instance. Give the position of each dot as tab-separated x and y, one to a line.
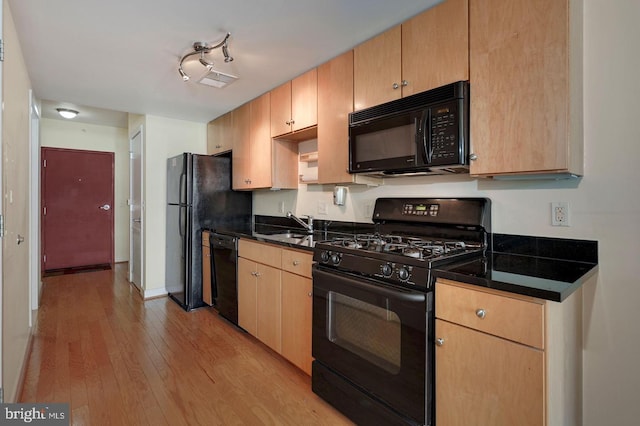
505	316
297	262
267	254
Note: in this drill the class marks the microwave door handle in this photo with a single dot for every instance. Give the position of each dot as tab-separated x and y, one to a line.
426	137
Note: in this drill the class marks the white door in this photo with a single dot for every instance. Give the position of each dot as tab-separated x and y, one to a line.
135	211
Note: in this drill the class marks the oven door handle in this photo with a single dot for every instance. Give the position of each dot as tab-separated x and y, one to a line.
395	293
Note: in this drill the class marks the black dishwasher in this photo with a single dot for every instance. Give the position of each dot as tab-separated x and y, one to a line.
224	252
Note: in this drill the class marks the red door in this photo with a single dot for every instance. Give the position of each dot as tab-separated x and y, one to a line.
77	208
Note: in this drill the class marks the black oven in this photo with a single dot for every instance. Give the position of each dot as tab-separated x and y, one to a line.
373	314
372	360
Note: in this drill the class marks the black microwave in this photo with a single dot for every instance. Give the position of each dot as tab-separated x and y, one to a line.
425	133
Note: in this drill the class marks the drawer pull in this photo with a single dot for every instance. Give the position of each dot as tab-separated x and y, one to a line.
439	341
481	313
310	294
296	263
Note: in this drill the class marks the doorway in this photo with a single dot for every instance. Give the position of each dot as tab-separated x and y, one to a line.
136	211
77	209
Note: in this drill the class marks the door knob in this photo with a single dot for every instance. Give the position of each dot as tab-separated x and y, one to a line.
105	207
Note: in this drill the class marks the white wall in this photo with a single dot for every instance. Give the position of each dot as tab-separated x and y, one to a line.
74	135
604	206
163	138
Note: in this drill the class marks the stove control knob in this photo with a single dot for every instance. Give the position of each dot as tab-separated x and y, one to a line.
324	256
335	258
403	273
387	270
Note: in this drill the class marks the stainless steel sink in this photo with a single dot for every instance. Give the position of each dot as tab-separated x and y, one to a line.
288	237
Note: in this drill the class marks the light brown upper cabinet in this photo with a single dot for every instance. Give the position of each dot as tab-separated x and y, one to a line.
425	52
526	87
294	105
220	134
335	102
259	162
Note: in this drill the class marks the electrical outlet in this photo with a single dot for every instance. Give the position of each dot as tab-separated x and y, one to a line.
560	213
322	208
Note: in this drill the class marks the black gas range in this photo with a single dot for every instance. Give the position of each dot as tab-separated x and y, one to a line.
412	236
373	306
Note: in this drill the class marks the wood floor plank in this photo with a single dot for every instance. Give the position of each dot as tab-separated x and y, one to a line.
119	360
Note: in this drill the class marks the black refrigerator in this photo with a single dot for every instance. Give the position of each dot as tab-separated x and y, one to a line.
199	197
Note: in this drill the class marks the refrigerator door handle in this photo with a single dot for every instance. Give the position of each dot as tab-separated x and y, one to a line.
183	189
181	221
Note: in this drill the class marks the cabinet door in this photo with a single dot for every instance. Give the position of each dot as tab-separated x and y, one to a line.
220	134
247	296
485	380
377	65
520	86
207	296
296	320
435	47
241	147
335	102
281	110
260	131
304	100
269	306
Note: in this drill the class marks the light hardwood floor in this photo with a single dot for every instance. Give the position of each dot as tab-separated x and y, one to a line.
121	361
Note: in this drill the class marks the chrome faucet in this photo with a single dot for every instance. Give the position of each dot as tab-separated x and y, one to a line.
308	226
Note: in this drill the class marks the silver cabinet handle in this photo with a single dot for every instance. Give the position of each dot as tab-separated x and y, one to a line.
310	294
137	220
481	313
20	239
296	263
105	207
473	157
439	341
258	274
395	86
404	83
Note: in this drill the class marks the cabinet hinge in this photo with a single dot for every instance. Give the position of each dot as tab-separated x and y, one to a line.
44	163
1	50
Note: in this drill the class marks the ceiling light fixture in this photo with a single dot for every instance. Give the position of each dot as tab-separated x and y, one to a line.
67	113
202	49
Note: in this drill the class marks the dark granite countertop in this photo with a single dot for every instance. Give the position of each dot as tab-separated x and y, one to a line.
546	268
545	278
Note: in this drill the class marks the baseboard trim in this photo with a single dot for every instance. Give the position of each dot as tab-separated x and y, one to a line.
155	293
25	363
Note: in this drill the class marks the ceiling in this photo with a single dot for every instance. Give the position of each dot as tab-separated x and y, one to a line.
122	55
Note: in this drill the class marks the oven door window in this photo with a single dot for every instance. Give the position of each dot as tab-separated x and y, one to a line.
371	332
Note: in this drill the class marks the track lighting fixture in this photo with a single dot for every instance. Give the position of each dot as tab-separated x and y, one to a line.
67	113
202	49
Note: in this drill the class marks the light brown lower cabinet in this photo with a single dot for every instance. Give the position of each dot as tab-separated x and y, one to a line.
505	359
274	298
259	301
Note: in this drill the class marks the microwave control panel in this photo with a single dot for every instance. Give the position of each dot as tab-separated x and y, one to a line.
444	134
